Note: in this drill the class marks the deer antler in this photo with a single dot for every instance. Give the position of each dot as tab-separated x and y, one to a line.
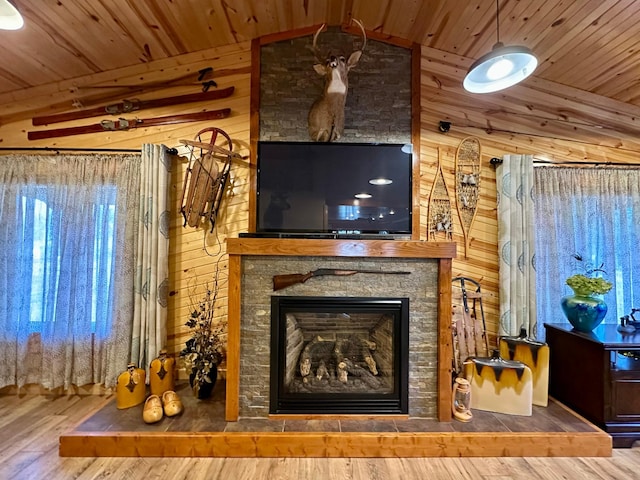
316	51
364	34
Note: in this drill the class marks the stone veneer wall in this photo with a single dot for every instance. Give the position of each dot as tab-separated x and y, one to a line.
378	107
257	288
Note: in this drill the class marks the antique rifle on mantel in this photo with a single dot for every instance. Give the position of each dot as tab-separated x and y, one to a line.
284	281
124	124
127	106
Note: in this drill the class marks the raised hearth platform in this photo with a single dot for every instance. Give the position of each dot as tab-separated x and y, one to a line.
201	431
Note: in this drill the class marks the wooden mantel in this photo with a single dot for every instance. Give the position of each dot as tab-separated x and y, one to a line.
444	252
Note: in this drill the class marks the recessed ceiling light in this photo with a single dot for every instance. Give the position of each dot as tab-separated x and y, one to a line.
363	195
380	181
10	18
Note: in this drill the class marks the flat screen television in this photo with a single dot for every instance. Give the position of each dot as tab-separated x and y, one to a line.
334	188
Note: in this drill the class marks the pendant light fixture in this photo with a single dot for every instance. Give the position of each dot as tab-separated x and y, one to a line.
10	18
500	68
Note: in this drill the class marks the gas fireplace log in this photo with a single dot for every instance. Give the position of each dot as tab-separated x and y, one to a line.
366	348
348	366
322	371
370	345
317	350
354	347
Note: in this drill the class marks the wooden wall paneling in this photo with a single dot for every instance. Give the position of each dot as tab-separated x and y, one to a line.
586	44
525	22
583	117
576	45
228	62
416	233
188	260
482	16
255	131
482	261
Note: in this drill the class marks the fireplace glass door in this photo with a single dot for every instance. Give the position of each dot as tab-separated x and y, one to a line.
339	355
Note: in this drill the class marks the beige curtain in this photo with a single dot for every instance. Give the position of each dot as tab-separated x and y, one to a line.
152	266
516	245
66	250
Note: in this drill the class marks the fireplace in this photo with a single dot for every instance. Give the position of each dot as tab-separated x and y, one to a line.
252	264
341	355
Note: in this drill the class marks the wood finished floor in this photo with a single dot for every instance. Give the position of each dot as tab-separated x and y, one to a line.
30	427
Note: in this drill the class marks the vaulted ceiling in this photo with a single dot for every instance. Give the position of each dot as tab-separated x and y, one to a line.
591	45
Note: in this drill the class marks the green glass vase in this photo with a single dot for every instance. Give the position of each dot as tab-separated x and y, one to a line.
584	312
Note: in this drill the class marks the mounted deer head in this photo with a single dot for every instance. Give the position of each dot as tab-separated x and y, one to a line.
326	117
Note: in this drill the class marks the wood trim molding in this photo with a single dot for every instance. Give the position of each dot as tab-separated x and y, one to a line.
445	347
341	248
232	405
335	445
288	35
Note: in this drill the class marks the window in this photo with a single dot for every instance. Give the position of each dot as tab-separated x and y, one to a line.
593	212
67	250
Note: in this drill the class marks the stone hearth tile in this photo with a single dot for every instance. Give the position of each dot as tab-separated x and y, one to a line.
567	421
201	424
368	426
255	425
482	421
312	426
423	425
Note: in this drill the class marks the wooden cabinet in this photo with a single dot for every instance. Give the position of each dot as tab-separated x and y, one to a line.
597	374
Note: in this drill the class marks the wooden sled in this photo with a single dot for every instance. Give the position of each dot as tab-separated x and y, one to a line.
468	328
205	180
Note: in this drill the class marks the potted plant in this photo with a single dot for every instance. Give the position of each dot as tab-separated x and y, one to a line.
585	309
205	349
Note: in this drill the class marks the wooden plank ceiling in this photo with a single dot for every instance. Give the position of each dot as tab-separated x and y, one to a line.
591	45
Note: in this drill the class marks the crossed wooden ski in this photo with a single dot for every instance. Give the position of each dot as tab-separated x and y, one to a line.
125	124
127	106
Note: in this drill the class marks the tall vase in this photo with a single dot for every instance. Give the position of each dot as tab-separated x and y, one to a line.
584	312
203	390
131	389
161	374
